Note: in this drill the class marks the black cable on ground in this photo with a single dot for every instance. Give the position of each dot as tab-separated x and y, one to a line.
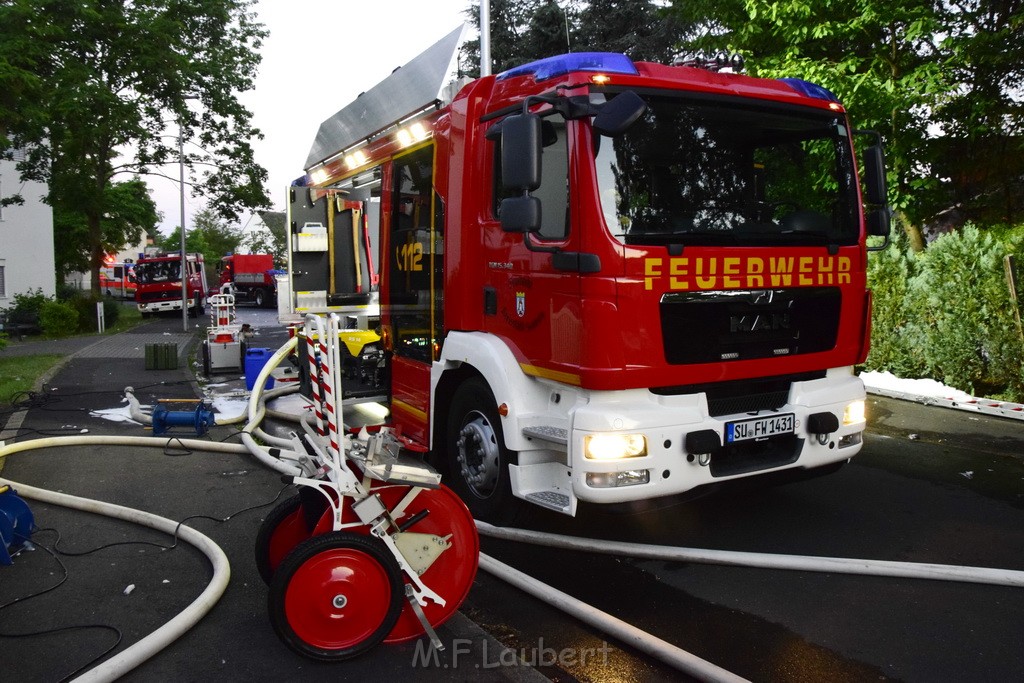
61	629
67	553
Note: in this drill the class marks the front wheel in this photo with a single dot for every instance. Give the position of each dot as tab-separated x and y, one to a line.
477	457
336	596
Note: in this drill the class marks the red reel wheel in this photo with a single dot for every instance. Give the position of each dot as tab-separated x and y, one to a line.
452	573
336	596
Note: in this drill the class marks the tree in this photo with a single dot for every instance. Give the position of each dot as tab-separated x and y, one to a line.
982	118
271	240
509	23
914	69
88	82
210	236
552	29
130	212
639	29
526	30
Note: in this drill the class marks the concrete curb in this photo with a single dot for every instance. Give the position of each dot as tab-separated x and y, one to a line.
985	406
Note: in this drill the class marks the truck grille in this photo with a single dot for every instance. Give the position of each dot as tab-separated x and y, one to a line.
163	295
751	456
723	326
742	396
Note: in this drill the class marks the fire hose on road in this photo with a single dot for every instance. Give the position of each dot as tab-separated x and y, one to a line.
281	459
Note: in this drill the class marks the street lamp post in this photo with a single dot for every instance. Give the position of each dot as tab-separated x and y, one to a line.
184	262
181	186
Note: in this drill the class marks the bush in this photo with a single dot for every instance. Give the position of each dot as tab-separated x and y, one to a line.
58	319
111	311
67	292
85	306
946	314
28	304
889	275
966	319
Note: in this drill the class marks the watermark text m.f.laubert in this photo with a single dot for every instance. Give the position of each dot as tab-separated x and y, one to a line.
464	655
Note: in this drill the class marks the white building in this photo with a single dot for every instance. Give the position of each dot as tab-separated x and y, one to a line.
26	237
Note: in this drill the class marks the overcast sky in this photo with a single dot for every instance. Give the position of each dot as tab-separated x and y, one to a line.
319	55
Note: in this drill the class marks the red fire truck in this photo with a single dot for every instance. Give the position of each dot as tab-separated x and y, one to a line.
608	281
251	277
159	283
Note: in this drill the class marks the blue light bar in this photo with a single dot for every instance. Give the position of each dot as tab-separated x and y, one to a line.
808	89
601	62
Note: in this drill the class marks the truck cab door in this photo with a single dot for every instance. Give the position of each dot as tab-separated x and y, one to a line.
411	311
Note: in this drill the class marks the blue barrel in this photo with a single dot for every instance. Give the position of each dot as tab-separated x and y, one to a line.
255	359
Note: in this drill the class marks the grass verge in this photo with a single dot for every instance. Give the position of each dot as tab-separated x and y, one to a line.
19	373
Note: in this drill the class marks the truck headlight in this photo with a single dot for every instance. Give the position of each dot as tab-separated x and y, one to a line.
854	413
614	446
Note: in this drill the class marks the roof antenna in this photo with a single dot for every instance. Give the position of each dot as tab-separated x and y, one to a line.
565	13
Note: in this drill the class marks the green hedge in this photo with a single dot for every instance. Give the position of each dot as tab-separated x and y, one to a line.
946	313
58	319
86	307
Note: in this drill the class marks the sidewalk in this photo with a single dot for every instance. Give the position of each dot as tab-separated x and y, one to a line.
137	588
62	347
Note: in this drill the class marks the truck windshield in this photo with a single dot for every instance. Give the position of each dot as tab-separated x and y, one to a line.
158	271
695	172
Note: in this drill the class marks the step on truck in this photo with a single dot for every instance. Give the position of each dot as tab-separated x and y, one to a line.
601	280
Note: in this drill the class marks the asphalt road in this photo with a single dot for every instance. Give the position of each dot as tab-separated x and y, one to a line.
931	485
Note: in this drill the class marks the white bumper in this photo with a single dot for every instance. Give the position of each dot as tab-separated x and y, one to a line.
159	306
666	420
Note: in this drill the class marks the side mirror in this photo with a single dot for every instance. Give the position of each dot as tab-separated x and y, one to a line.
521	152
878	221
874	170
877	215
520	214
621	112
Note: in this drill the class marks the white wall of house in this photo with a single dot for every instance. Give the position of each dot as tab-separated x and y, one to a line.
26	238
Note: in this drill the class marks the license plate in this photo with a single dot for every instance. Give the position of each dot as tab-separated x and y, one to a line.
759	428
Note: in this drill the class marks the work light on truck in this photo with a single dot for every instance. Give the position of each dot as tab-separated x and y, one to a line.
612	480
614	446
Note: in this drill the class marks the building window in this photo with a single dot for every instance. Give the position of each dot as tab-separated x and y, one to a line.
3	282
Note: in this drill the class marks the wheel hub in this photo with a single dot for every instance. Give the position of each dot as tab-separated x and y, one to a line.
479	455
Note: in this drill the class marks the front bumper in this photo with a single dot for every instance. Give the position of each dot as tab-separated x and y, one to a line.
160	306
669	468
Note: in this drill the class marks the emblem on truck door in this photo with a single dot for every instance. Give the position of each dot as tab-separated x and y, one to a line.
521	304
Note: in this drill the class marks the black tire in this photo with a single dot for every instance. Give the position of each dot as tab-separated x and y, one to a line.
259	297
477	457
308	594
312	503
